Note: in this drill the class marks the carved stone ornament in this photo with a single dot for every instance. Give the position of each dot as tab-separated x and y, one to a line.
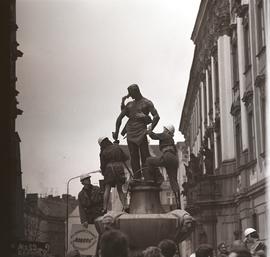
222	17
235	108
209	130
214	50
260	79
242	10
235	5
247	98
217	124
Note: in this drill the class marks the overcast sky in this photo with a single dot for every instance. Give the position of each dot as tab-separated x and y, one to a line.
79	58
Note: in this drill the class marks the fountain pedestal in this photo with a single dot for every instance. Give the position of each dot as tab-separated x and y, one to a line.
144	198
147	224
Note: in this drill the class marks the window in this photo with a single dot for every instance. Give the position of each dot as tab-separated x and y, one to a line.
205	103
216	83
263	119
219	157
235	63
238	143
251	137
246	44
254	221
210	100
260	26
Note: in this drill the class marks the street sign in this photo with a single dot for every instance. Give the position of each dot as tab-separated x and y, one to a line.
83	239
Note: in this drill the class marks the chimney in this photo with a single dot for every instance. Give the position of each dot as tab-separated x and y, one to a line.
32	199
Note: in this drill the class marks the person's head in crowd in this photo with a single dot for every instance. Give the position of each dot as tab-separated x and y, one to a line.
251	235
152	251
114	243
167	247
222	247
240	252
74	253
236	244
204	250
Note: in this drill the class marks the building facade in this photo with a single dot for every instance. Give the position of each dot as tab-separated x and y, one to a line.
12	222
223	121
45	220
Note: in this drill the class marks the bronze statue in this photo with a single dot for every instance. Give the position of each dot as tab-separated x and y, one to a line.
137	112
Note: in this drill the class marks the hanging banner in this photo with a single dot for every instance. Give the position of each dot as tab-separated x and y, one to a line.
83	239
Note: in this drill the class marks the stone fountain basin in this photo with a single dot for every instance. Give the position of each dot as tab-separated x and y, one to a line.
145	230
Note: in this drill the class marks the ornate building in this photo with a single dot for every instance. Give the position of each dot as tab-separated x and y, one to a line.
12	222
223	121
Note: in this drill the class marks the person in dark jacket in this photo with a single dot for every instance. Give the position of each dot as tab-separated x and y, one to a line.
168	159
90	200
112	159
253	242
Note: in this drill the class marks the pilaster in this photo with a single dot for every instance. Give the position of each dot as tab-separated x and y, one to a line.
225	96
213	75
202	108
241	62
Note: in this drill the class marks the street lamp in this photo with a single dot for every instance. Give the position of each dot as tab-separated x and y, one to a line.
98	171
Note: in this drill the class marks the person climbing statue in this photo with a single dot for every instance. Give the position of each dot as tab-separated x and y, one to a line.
112	159
168	159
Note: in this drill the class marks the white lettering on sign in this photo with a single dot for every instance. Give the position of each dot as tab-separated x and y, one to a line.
83	240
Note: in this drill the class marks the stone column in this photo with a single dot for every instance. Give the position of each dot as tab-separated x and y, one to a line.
241	62
225	96
213	75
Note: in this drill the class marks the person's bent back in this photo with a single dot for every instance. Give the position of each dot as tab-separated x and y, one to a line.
114	243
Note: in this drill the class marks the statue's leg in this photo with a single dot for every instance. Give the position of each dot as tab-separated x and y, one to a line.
172	174
144	152
106	197
171	165
134	159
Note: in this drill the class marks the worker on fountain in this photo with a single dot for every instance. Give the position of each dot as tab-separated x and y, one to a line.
112	159
168	159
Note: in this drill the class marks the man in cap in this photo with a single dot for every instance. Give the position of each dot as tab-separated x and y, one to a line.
90	201
137	112
253	242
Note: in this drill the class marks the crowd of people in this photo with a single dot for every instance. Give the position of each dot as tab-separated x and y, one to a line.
114	243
